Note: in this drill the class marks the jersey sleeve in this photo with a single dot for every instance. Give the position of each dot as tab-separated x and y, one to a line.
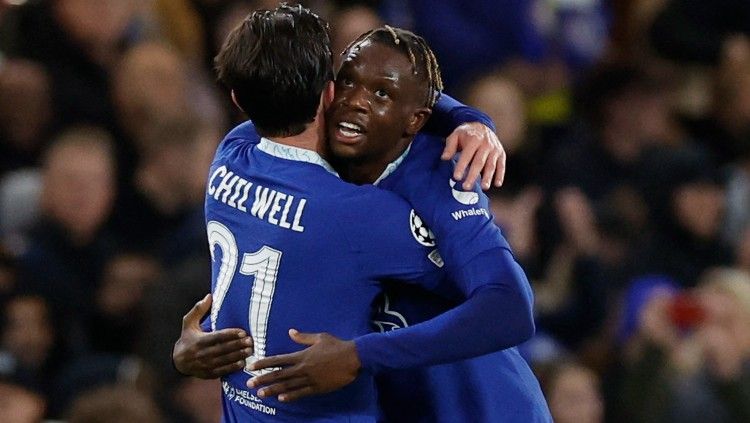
448	113
460	220
496	315
382	231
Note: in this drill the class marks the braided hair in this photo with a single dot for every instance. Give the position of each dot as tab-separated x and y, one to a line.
423	60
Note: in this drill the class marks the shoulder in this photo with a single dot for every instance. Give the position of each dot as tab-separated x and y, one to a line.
242	135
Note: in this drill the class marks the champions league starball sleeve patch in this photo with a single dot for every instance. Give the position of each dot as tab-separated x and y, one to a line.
420	231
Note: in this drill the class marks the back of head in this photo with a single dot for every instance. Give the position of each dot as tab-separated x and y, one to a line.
277	63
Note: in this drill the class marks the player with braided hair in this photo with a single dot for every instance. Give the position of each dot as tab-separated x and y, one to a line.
384	88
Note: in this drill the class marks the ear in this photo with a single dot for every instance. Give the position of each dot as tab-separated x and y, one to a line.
328	94
236	103
417	120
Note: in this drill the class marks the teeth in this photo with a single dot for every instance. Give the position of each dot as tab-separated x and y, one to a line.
347	133
351	126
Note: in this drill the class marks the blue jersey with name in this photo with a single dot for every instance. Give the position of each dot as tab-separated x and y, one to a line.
498	387
293	246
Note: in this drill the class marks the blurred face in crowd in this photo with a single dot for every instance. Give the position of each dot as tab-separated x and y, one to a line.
96	24
149	84
79	183
503	101
574	396
18	405
347	26
631	121
126	277
698	208
726	315
173	167
25	108
28	334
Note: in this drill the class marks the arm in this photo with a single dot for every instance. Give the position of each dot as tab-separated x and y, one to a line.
480	268
500	292
473	133
448	114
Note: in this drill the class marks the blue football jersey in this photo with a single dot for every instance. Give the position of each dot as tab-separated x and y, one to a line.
498	387
293	246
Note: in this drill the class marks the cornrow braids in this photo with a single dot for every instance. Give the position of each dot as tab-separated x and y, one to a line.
409	43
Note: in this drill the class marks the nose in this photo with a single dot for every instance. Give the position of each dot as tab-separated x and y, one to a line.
357	99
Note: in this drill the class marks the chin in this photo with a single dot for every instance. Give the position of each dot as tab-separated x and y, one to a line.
344	152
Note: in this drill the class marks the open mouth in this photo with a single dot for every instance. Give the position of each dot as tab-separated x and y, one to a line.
350	130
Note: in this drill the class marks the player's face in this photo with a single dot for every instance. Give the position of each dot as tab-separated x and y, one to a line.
376	99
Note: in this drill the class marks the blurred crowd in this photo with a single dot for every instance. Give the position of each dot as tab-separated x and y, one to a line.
627	194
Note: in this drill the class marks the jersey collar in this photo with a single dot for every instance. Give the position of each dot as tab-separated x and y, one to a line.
392	166
297	154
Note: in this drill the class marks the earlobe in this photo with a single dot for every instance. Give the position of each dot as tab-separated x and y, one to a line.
418	120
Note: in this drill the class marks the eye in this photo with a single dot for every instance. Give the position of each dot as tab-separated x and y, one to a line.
381	93
346	82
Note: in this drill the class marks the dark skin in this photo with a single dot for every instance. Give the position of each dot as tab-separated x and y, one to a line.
388	104
209	355
376	90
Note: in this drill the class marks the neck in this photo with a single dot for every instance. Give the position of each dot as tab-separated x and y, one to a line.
312	138
368	169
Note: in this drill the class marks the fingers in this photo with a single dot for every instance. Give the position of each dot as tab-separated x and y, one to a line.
277	361
480	159
451	147
463	162
285	388
193	317
231	358
232	367
489	170
501	161
274	377
218	350
305	391
225	336
304	338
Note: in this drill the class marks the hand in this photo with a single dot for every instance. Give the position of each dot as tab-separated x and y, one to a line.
655	323
327	365
213	354
480	148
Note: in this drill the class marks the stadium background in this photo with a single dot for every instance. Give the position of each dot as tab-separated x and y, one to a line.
627	194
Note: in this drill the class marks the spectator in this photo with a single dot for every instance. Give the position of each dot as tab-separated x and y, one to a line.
118	317
25	113
694	31
77	41
572	391
689	359
686	201
71	242
27	342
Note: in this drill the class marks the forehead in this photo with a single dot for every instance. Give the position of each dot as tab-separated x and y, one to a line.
377	58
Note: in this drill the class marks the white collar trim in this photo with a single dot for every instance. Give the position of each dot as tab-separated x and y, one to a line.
392	166
297	154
